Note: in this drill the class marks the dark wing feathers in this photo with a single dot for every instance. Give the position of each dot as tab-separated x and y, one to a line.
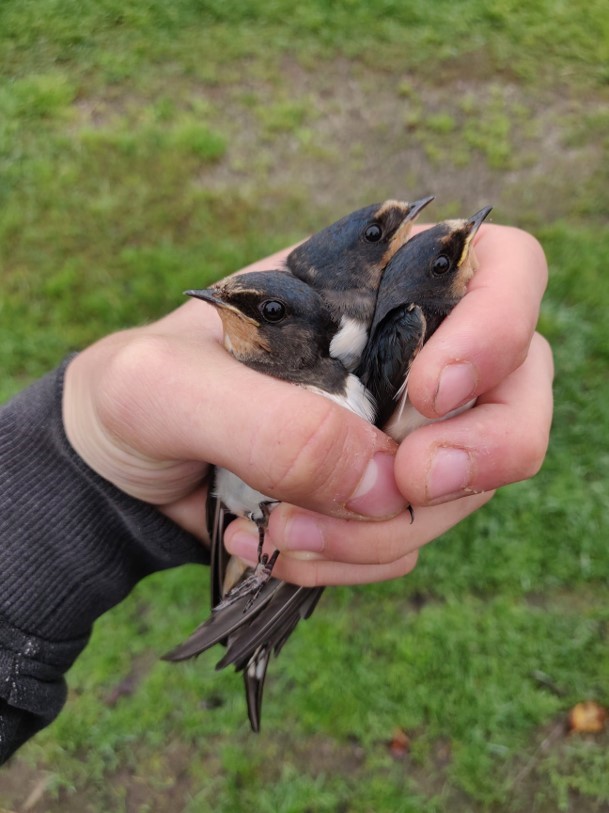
388	356
273	625
218	518
222	624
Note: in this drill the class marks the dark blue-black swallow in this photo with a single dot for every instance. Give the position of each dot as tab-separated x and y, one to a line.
279	325
424	281
345	262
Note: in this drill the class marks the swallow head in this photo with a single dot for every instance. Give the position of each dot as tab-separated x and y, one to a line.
271	320
352	253
434	268
458	245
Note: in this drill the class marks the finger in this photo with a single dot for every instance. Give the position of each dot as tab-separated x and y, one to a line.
321	573
314	570
487	336
501	440
283	440
296	532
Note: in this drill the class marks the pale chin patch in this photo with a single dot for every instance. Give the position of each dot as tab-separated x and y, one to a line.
349	342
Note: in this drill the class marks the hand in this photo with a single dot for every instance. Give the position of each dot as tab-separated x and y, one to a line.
149	409
487	348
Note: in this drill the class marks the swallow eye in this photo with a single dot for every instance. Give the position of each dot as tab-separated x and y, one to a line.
272	311
441	264
373	233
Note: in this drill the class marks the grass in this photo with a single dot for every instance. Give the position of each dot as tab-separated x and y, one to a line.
150	147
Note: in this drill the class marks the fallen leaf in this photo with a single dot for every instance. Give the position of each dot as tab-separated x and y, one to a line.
399	744
587	718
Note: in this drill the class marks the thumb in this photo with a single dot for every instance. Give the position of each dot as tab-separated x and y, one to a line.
291	444
195	402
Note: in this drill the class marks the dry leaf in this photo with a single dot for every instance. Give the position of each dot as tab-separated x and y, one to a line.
587	718
399	745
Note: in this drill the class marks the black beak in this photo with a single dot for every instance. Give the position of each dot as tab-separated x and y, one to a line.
475	221
417	206
207	295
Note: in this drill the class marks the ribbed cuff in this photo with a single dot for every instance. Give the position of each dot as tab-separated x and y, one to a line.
72	545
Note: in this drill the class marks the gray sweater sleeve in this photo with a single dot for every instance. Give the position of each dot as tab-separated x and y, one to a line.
71	547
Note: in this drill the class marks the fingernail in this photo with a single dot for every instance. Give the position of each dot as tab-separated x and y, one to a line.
302	533
245	546
449	474
377	494
456	386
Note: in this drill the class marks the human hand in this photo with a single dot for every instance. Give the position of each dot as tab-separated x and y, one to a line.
487	348
150	408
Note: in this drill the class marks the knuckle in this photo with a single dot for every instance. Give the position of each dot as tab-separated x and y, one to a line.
305	574
514	337
392	549
526	451
533	249
534	454
406	564
127	380
542	345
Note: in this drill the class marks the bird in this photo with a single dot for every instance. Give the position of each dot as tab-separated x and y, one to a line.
277	324
421	285
345	262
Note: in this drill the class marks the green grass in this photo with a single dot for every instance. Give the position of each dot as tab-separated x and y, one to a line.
150	147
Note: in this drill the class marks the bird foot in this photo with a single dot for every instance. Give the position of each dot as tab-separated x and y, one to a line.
252	584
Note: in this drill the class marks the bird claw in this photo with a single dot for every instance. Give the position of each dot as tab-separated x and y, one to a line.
252	585
261	576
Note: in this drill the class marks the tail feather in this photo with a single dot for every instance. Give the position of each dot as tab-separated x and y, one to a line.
253	678
269	627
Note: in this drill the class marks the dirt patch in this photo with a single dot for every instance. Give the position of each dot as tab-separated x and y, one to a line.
156	789
365	136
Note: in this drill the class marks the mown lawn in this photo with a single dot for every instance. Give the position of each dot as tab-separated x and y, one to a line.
149	147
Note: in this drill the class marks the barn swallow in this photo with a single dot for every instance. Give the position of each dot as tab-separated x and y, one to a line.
345	261
278	325
423	282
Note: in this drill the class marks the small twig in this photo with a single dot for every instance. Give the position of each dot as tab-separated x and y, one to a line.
555	734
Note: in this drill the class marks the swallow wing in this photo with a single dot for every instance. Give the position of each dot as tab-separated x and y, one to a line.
388	357
223	623
273	625
217	518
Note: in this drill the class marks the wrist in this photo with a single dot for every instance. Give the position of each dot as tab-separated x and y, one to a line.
154	480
